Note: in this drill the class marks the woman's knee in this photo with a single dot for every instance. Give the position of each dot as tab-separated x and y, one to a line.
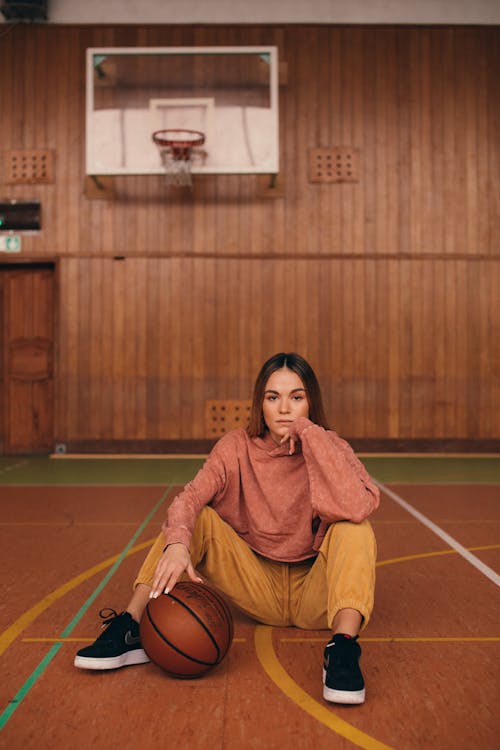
349	530
356	537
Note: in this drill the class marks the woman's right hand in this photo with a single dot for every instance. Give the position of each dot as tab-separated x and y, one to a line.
173	563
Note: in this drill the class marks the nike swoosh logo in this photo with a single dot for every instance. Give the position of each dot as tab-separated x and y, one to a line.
132	640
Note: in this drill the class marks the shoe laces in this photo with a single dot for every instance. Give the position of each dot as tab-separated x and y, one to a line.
107	616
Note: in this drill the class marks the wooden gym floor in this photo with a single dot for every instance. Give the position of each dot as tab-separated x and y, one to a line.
74	531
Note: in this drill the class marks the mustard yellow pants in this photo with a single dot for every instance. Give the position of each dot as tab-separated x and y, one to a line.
307	594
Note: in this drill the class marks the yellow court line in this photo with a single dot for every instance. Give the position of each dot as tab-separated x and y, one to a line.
387	639
281	678
439	553
87	640
263	643
58	640
269	661
397	639
12	632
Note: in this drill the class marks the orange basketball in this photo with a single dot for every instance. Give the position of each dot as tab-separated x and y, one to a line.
188	631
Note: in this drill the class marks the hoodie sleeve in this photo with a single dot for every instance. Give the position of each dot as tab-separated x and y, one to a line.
341	488
188	504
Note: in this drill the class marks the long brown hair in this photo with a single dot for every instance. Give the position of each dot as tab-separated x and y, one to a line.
297	364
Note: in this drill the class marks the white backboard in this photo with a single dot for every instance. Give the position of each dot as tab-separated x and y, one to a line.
228	93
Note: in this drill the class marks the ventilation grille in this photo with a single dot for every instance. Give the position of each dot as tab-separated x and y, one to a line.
29	167
222	416
335	164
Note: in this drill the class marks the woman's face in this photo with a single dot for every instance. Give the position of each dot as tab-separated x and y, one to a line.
285	400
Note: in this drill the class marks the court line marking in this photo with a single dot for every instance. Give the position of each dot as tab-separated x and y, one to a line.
277	673
79	524
437	454
441	520
450	541
436	553
92	485
445	483
11	633
363	454
88	640
390	561
388	639
12	466
126	456
403	639
69	524
40	669
30	615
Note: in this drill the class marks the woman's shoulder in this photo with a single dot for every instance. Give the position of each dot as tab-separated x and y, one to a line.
343	447
335	438
231	441
229	451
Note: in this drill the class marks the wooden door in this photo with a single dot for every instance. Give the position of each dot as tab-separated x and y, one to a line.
27	361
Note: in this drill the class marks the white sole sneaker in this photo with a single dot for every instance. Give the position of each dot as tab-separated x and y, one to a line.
347	697
129	658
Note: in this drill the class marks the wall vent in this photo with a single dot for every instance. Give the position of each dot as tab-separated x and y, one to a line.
29	167
334	164
222	416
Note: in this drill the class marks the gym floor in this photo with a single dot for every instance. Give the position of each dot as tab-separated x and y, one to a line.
74	532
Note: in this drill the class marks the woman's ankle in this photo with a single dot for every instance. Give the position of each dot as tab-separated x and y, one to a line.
137	604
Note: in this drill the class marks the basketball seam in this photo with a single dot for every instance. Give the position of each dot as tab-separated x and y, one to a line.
226	611
200	621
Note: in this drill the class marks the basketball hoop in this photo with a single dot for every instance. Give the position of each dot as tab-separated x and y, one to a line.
176	151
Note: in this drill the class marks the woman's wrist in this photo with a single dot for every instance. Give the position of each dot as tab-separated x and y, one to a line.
298	426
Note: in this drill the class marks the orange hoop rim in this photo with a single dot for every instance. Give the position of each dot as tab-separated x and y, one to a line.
172	138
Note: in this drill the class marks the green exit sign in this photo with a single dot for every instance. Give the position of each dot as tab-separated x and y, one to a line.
10	243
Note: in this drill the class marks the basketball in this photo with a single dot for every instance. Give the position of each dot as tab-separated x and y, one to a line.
188	631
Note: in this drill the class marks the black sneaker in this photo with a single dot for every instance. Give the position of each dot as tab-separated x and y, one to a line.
342	678
119	645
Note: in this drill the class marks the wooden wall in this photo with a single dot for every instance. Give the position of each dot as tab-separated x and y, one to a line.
389	286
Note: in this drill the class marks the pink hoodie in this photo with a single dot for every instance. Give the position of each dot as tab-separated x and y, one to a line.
280	505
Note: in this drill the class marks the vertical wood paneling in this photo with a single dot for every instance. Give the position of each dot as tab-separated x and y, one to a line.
388	285
387	371
27	360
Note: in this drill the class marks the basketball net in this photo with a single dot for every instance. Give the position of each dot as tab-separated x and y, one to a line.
177	170
176	151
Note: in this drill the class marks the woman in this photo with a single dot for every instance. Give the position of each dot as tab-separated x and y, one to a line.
275	520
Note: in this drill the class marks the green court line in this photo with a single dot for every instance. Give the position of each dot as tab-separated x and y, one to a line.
98	471
434	469
42	666
36	471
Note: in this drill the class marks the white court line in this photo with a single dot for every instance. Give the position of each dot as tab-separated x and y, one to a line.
475	561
